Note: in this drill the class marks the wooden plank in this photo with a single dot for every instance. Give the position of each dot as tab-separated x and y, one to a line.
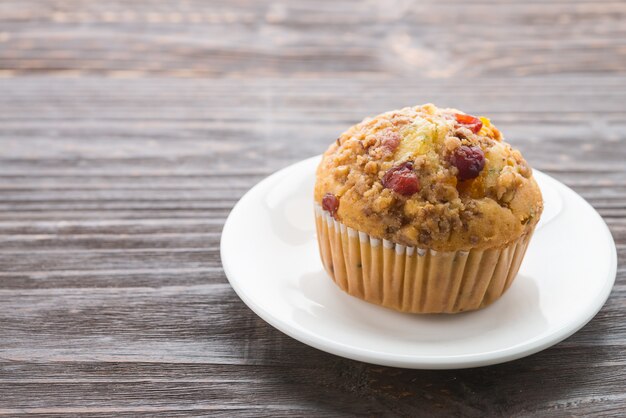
306	38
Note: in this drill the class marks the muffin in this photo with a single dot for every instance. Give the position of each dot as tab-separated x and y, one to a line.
424	210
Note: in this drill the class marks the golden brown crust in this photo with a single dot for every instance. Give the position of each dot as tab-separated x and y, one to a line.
446	214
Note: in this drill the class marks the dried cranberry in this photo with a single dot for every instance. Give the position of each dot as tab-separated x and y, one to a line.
390	140
402	179
469	161
330	203
472	123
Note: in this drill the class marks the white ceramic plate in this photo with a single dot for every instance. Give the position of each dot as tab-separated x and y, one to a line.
270	255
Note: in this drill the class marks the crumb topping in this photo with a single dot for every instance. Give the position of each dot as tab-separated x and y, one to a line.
430	177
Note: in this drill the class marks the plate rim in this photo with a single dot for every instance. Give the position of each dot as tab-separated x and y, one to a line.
526	348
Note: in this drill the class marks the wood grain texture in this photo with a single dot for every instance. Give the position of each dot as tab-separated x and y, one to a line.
128	130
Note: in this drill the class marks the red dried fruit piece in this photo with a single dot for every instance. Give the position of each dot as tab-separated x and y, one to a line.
330	203
402	179
469	161
390	140
472	123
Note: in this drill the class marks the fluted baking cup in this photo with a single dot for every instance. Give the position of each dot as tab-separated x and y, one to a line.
411	279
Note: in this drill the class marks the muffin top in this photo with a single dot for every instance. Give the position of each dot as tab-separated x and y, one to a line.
431	178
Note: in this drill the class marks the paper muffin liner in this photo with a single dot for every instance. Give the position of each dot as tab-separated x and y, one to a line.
411	279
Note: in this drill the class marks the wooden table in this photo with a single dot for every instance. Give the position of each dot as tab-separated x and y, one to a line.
130	129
